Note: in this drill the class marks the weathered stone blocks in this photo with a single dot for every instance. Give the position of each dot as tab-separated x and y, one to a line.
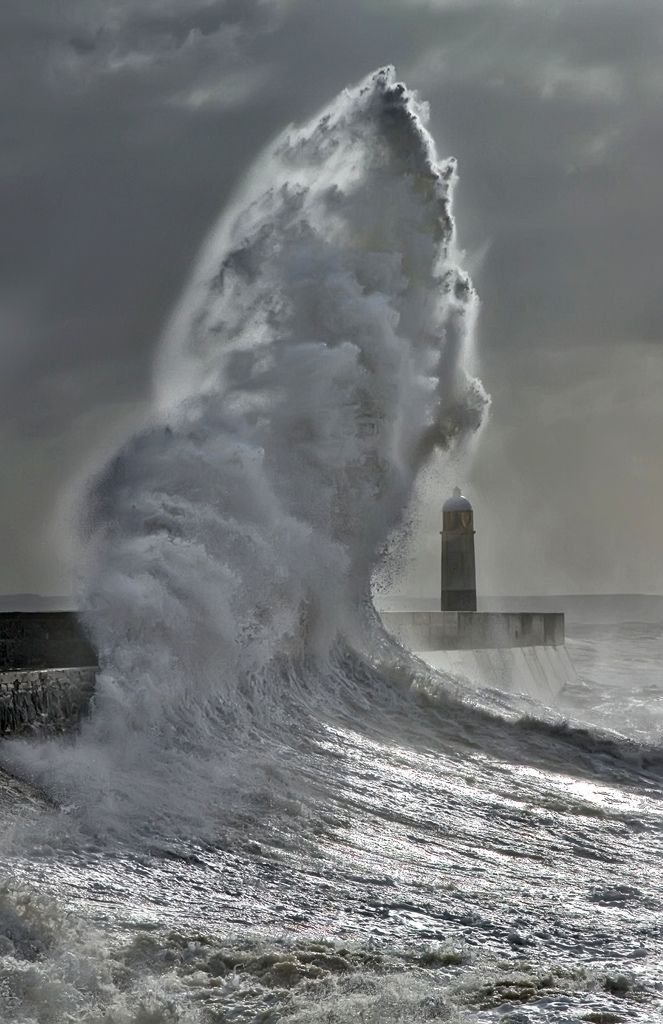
52	700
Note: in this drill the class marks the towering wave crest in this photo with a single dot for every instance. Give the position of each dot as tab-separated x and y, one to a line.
314	364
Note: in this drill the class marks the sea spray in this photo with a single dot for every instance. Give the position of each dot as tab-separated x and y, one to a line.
314	364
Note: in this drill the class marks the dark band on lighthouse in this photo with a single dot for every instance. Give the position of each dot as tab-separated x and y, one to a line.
459	587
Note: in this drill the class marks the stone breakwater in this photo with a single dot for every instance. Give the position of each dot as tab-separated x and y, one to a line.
51	700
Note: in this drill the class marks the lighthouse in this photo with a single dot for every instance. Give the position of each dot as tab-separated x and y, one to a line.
520	652
459	587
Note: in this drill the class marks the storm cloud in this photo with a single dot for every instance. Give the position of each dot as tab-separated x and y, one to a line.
127	124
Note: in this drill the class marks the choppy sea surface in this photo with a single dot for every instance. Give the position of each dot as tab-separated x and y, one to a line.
459	856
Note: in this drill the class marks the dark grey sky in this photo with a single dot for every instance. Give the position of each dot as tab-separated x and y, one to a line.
124	124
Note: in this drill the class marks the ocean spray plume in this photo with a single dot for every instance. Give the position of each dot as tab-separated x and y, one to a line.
314	364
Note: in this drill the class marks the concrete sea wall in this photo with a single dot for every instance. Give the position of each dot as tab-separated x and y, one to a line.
47	663
47	672
445	631
540	672
520	652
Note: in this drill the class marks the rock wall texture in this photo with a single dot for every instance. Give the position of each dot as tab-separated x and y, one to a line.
52	700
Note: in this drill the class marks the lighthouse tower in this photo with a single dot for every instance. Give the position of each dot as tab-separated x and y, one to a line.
459	587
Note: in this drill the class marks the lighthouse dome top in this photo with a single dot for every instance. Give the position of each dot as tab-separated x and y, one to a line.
457	502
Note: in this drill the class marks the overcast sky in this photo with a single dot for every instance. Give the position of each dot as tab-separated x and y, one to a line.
125	124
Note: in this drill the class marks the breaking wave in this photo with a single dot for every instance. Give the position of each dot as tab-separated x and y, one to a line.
315	363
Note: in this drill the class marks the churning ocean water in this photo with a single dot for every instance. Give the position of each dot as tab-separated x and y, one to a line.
273	812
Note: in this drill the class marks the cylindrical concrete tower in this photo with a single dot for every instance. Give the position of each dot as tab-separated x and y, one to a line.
459	586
